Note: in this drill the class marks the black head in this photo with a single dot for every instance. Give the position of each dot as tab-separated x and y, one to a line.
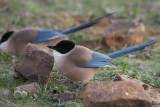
63	46
6	36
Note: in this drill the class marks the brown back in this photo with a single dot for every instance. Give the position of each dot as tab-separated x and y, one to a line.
21	38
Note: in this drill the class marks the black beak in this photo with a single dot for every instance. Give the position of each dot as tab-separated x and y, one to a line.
52	47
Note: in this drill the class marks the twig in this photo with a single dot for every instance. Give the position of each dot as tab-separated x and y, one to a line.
45	89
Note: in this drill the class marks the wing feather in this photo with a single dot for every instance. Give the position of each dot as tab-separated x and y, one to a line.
98	60
45	35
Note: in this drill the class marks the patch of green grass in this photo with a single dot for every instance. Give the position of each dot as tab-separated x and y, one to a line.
146	70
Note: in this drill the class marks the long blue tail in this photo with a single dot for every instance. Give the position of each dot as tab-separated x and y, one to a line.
85	25
130	49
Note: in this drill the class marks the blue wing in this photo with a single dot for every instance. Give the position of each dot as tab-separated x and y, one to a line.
44	35
98	60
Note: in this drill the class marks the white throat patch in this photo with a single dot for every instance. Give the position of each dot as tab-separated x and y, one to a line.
58	57
57	53
4	47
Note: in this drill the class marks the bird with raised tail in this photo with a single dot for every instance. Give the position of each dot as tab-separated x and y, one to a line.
79	63
14	42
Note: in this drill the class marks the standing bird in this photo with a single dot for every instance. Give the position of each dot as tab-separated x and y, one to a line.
79	63
14	42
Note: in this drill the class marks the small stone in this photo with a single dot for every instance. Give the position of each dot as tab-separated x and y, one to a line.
25	90
35	95
24	94
6	94
20	94
17	93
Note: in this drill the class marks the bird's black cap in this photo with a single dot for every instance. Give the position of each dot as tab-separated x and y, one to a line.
6	36
63	46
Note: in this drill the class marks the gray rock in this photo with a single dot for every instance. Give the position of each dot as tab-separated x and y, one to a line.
6	94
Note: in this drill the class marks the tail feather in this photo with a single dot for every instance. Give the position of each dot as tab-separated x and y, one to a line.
130	49
85	25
